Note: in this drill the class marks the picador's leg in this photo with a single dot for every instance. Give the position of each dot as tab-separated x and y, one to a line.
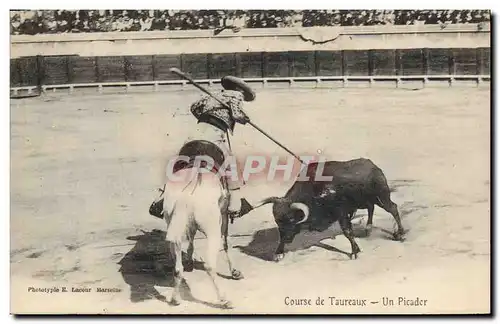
238	206
234	202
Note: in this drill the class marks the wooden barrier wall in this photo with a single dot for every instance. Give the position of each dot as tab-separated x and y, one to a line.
50	70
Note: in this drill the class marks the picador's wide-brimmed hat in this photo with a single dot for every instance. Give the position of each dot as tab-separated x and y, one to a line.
233	83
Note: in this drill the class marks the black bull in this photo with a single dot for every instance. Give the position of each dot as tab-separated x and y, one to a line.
354	184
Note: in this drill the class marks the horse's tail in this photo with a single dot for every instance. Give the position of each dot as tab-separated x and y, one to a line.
179	208
172	195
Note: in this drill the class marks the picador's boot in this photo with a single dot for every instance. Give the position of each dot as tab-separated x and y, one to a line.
245	208
156	208
238	206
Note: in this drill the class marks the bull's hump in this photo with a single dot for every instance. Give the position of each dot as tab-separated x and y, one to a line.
351	170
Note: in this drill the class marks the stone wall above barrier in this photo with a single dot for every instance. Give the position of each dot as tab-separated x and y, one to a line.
254	40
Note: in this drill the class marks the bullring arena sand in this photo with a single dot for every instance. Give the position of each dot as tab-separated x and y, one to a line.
85	168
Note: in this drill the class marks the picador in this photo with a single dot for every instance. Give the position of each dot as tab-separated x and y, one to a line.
211	136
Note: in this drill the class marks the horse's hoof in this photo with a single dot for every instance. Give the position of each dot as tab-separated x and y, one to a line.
236	274
174	302
368	231
278	257
226	304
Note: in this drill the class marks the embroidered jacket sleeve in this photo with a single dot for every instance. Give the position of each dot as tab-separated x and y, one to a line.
233	99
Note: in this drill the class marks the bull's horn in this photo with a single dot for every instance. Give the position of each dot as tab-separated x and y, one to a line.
304	209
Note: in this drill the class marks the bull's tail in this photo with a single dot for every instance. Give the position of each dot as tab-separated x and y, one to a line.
246	207
271	200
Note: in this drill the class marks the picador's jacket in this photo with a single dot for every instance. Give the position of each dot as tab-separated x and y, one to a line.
210	111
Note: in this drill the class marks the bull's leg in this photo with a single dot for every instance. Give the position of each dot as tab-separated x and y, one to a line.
178	274
213	244
392	208
279	253
400	232
369	223
346	226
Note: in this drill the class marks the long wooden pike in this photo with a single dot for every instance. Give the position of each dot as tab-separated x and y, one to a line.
188	78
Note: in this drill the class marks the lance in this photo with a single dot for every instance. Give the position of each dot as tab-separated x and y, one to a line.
188	78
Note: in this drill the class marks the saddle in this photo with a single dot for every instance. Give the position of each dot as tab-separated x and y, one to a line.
196	148
192	149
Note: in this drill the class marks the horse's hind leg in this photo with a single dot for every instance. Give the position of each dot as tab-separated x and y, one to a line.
178	273
213	245
175	232
189	262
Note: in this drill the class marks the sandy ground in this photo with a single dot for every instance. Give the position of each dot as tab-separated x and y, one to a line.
85	169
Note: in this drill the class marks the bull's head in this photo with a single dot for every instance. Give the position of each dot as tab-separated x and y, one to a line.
289	218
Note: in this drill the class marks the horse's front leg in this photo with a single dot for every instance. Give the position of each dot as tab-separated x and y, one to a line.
235	274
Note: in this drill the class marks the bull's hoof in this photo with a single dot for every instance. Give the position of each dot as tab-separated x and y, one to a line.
355	253
398	236
278	257
353	256
189	266
236	274
226	304
174	302
400	239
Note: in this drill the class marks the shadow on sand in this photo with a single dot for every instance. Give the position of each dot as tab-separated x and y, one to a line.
264	242
149	264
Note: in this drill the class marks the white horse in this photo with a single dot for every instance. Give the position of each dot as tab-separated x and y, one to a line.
197	203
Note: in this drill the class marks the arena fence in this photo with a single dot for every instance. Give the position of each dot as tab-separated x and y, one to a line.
434	61
58	72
